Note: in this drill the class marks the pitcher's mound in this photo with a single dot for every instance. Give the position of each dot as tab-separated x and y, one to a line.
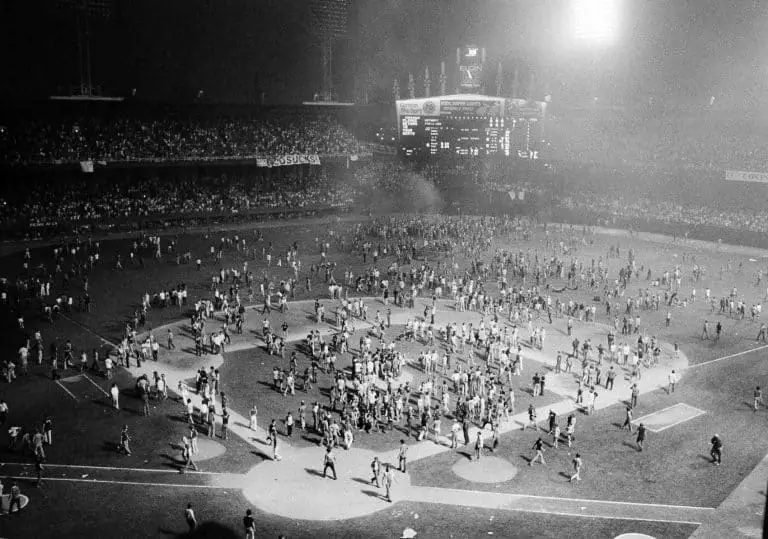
485	470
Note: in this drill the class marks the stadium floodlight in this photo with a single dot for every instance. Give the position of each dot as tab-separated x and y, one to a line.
596	21
329	23
84	11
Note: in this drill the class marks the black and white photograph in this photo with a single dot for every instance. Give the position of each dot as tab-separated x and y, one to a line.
447	269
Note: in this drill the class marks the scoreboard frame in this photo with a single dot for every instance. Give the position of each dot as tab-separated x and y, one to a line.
470	126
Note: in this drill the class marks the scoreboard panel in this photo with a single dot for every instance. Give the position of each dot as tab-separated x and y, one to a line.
469	136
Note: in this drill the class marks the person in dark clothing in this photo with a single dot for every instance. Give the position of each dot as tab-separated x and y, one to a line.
640	436
716	450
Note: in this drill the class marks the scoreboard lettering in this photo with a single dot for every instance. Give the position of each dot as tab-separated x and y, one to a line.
408	125
466	107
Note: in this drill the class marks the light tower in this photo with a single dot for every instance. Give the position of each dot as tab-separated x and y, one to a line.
329	23
596	21
596	28
84	11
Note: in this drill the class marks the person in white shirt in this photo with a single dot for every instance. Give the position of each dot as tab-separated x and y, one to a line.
672	382
592	399
436	429
23	358
189	516
204	412
183	391
162	387
115	392
389	479
455	435
3	411
253	421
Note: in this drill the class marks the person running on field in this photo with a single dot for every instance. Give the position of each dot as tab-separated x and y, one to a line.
538	446
576	469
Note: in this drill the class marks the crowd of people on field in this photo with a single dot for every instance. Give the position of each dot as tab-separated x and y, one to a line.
464	376
467	375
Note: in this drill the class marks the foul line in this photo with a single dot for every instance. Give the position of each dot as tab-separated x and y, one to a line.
731	356
584	500
604	517
89	330
65	389
111	482
591	511
95	384
110	468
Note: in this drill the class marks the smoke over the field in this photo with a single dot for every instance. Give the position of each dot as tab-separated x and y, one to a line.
419	193
385	189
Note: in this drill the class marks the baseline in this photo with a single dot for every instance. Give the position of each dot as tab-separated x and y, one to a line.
108	468
730	356
560	506
116	482
58	383
95	384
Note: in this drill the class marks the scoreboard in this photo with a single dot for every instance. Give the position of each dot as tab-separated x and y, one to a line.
469	128
470	137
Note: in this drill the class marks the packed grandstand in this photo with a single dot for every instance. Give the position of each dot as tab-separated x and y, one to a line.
663	175
694	138
127	139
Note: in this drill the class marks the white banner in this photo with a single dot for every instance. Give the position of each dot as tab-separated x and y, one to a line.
472	106
742	176
287	160
418	107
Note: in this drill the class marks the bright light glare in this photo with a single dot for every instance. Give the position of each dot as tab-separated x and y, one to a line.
596	20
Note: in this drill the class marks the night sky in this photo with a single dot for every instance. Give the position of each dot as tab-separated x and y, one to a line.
170	49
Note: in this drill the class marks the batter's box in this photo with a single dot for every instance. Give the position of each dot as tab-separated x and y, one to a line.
668	417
